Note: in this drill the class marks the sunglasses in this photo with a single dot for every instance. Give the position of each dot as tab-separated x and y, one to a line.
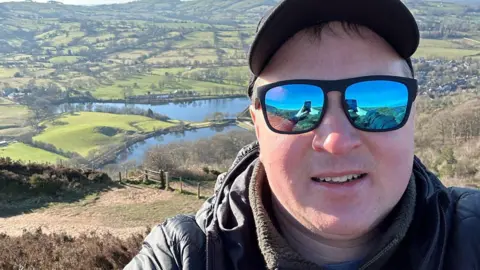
371	103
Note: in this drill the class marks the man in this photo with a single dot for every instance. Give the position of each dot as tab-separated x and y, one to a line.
322	189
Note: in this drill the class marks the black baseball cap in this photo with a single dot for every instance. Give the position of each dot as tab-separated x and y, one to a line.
390	19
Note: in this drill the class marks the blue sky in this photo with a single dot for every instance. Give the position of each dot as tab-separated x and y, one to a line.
78	2
369	94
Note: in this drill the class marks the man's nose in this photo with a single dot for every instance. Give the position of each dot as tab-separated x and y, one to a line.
335	134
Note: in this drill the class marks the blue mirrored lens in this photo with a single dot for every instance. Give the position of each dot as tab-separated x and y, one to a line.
294	107
377	105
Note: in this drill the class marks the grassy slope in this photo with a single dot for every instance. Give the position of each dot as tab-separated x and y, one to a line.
79	134
7	72
144	83
64	59
12	118
20	151
445	48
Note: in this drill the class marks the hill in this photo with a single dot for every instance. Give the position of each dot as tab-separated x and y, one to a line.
465	2
52	53
159	46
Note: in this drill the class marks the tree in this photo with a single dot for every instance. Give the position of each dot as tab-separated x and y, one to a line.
127	91
40	109
150	113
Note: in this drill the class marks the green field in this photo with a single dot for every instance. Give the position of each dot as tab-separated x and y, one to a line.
190	56
130	54
94	39
12	119
4	101
11	114
64	39
7	72
119	45
75	49
448	53
64	59
83	132
20	151
450	49
196	39
169	84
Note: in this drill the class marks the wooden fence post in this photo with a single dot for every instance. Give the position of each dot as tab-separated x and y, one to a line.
120	176
145	178
181	185
198	190
167	182
162	179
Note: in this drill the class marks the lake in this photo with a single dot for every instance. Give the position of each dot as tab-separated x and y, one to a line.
196	110
136	152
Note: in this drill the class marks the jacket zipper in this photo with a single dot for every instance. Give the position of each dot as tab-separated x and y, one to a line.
432	248
379	255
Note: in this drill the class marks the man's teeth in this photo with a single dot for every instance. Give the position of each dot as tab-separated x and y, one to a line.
339	179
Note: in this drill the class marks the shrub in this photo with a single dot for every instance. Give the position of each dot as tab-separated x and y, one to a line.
37	250
205	156
465	168
43	184
17	178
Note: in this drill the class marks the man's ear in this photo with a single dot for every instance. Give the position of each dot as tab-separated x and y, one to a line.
253	115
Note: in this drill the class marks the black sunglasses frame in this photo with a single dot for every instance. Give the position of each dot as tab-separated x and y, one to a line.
340	86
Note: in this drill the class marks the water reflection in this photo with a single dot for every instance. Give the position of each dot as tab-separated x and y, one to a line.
136	152
194	110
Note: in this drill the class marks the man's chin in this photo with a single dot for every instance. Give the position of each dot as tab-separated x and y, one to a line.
342	226
342	231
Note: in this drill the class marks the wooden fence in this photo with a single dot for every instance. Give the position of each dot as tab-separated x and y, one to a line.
161	177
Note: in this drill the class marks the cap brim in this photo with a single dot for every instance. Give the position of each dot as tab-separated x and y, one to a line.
390	19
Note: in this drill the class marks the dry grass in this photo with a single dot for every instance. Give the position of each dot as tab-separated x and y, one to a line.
60	251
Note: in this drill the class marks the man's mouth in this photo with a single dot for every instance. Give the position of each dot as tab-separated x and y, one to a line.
339	179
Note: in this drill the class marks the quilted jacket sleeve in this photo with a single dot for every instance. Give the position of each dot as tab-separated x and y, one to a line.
176	244
465	236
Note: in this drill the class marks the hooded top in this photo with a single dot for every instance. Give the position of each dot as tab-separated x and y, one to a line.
432	227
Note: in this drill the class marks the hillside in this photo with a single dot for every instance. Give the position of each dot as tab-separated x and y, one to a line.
163	50
467	2
159	46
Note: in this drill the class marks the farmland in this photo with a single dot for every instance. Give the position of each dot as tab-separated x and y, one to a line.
55	52
114	52
90	130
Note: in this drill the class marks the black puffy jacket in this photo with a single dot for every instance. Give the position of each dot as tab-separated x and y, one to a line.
444	232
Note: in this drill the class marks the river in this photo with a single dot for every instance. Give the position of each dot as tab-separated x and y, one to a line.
196	110
136	153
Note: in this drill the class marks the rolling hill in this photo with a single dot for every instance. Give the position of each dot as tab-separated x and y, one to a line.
159	46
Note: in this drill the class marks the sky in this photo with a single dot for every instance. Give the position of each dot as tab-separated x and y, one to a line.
78	2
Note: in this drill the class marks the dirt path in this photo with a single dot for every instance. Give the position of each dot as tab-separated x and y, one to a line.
120	211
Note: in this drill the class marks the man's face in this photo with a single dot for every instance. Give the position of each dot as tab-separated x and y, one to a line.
331	210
